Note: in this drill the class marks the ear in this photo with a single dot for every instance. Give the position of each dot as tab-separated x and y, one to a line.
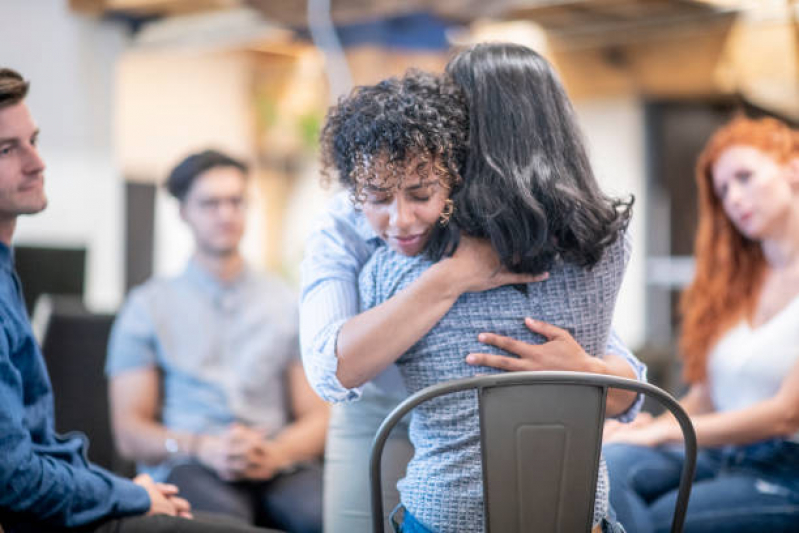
182	211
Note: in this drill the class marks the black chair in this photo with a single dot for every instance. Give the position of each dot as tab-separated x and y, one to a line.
74	342
541	440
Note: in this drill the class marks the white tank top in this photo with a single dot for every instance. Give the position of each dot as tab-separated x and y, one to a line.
748	365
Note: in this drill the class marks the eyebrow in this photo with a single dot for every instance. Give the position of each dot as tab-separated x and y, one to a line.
420	185
15	140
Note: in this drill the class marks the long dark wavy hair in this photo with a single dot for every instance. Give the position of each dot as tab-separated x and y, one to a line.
527	186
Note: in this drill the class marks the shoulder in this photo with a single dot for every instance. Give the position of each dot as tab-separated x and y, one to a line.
142	304
617	254
339	217
271	285
338	245
387	271
148	293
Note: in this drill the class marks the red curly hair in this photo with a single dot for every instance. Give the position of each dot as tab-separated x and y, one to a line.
729	267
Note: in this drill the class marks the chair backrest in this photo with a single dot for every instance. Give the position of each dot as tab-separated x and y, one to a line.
541	439
74	342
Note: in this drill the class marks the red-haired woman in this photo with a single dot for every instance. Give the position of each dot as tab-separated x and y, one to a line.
740	341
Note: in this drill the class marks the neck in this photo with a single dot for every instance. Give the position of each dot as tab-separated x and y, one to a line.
223	267
7	227
782	249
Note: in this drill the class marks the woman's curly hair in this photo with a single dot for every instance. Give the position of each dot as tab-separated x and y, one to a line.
378	135
374	135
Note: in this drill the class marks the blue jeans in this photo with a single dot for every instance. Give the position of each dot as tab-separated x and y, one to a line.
743	489
405	522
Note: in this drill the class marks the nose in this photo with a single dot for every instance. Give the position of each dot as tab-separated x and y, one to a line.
34	164
734	194
401	213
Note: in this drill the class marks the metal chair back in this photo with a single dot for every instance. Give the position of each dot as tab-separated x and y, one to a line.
541	440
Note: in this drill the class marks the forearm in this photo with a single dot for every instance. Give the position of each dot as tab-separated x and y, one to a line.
374	339
147	441
764	420
303	439
618	400
59	492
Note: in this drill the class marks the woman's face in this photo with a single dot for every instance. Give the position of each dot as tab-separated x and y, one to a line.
404	217
756	192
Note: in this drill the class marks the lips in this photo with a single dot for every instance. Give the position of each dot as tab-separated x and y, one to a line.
408	245
32	185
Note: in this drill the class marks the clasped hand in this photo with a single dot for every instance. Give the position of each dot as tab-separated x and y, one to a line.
241	453
164	498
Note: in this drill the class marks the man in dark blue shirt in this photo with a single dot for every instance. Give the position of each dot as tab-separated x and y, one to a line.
46	482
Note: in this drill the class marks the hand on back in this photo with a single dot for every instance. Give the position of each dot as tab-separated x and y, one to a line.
475	267
560	352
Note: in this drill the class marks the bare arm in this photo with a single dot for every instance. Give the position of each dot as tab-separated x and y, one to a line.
560	352
135	406
775	417
363	346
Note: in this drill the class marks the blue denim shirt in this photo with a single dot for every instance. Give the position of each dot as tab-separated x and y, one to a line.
44	478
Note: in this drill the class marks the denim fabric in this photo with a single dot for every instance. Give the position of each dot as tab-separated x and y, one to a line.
45	479
744	489
404	522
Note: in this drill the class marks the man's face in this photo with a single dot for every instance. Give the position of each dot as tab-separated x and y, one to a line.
21	167
215	210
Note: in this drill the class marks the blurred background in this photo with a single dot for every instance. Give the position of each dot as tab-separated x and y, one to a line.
123	89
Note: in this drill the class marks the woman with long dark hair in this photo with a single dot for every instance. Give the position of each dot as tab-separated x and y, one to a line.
740	342
404	164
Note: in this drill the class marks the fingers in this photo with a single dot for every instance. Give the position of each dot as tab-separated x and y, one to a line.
542	328
181	505
503	277
501	362
144	480
167	489
508	344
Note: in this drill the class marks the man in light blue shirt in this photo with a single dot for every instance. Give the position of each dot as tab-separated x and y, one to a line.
221	342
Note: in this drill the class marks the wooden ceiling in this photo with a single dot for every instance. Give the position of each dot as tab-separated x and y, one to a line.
655	47
556	15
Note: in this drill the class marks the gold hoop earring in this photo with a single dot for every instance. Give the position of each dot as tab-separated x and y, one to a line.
446	213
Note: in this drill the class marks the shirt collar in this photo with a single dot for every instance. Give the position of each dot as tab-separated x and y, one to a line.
6	257
197	274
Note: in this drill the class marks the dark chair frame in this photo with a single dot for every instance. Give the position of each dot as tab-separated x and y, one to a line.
506	404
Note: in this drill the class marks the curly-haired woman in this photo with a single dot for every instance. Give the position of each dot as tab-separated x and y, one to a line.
532	199
740	341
